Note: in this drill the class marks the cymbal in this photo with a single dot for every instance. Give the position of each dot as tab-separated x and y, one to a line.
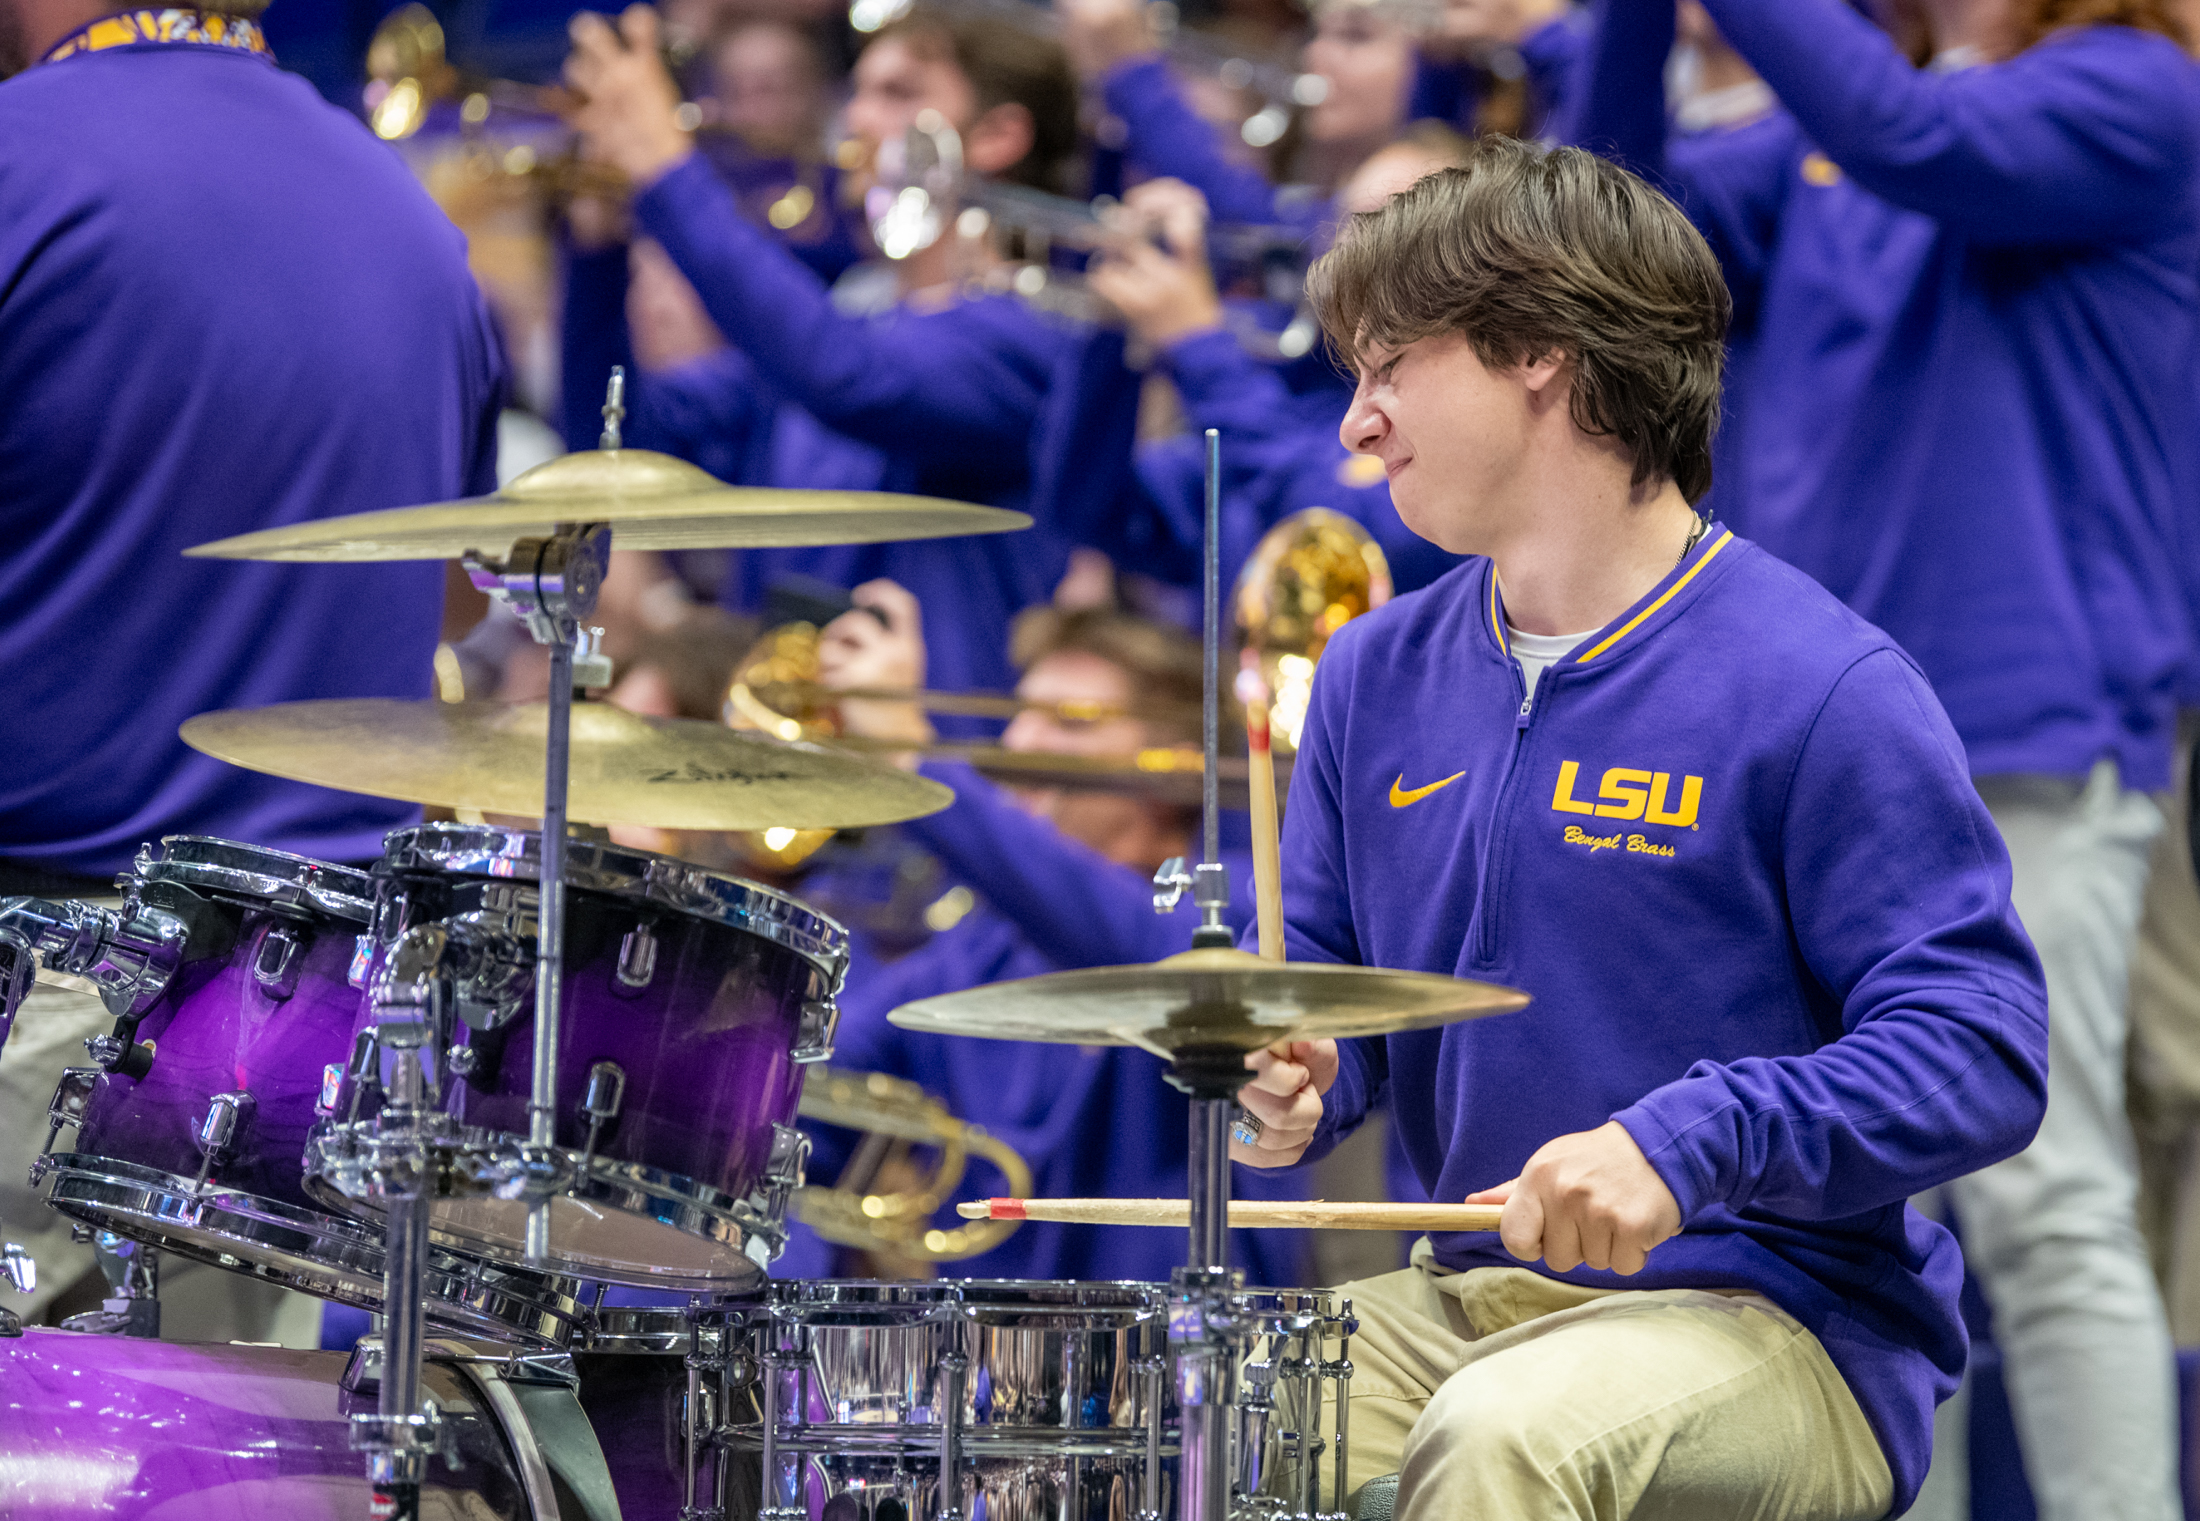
651	501
665	773
1219	998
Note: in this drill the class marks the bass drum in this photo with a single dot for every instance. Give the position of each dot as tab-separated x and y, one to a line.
119	1427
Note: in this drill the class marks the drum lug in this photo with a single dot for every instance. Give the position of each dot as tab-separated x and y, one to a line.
71	1096
783	1170
22	1274
605	1093
813	1041
637	958
362	961
277	962
217	1133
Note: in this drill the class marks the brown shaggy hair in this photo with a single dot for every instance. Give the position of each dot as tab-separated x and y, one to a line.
1528	251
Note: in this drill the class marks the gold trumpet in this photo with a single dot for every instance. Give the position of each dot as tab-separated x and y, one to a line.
895	1220
785	658
1309	576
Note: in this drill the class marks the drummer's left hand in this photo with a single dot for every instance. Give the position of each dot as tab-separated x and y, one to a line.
628	104
1286	1097
1587	1199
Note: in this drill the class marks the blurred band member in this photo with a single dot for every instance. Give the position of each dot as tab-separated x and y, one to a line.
258	321
224	306
1279	454
1363	52
946	392
1970	417
1062	879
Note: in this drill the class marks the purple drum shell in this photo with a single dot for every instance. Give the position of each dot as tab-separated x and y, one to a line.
707	1047
636	1402
217	1029
706	1043
119	1427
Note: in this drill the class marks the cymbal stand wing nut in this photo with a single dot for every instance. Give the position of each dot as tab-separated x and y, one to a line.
1169	885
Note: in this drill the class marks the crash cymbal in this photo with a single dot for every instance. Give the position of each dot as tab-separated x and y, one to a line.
665	773
1208	999
651	501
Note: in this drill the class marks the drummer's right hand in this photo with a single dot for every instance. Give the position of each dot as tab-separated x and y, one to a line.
1286	1097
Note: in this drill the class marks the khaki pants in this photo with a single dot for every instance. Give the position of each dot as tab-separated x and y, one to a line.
1502	1395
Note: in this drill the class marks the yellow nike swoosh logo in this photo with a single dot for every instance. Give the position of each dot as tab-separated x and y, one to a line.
1400	798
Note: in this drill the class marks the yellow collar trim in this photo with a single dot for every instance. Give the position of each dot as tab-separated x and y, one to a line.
172	25
1710	551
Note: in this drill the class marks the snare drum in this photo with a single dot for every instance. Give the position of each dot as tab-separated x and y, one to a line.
1048	1400
191	1135
692	999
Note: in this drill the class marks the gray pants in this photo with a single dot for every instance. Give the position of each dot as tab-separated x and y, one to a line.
2051	1233
2165	1063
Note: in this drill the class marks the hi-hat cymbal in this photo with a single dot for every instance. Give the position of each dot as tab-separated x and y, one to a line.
665	773
1208	999
651	501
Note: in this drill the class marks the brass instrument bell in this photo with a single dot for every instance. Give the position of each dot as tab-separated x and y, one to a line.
1309	576
881	1202
786	654
408	69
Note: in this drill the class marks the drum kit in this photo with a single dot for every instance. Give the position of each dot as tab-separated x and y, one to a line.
492	1087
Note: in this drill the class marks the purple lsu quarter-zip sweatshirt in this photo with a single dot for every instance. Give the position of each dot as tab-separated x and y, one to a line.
1730	846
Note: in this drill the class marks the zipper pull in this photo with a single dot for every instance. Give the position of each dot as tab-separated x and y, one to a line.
1527	706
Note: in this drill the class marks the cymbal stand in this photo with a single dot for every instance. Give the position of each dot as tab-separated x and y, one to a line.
552	584
1204	1320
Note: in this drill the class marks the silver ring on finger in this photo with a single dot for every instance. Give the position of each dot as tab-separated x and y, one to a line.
1246	1128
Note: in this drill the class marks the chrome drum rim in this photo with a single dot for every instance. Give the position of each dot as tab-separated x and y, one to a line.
327	1256
276	878
485	850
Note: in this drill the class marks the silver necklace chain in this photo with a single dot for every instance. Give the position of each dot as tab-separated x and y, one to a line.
1695	534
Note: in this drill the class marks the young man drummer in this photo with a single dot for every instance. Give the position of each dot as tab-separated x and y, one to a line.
1716	825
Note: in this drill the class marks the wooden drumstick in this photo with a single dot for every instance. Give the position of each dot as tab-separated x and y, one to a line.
1314	1214
1267	856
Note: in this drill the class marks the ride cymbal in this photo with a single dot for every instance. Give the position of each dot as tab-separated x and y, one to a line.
1205	1000
650	500
664	773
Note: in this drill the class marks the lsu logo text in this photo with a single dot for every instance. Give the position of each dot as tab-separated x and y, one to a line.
1626	793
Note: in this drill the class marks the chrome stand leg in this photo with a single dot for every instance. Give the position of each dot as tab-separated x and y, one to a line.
542	1101
403	1429
781	1367
952	1368
132	1270
1339	1373
1156	1378
1204	1337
